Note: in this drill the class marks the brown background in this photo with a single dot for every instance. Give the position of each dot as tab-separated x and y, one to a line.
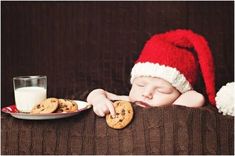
85	45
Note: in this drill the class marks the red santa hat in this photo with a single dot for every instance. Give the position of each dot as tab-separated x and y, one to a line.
167	56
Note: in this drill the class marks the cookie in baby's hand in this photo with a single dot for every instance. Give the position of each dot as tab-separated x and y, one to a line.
47	106
124	115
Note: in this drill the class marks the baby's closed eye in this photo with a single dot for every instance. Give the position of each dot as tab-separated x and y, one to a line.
140	84
165	90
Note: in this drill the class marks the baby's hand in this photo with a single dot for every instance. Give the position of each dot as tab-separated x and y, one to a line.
101	101
101	104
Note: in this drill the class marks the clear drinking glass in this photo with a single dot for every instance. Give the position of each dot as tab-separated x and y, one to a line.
29	91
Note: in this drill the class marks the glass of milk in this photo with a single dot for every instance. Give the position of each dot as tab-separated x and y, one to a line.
29	91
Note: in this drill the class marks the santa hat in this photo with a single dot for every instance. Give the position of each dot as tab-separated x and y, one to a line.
167	56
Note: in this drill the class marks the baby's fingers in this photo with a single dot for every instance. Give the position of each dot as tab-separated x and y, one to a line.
109	104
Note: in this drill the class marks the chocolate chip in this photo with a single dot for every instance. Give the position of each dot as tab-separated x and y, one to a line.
123	112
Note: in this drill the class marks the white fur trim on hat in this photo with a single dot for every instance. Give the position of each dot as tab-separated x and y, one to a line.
172	75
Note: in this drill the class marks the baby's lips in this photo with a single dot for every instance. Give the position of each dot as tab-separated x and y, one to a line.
142	104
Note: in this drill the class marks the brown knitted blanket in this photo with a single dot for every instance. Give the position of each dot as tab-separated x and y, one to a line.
165	130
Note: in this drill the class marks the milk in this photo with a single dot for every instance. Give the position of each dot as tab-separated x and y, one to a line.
27	97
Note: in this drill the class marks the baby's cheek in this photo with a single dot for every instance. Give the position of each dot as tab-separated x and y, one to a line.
132	95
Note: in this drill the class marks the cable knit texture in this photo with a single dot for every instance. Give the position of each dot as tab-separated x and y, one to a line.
172	75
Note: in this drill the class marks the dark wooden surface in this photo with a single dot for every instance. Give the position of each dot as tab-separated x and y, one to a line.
86	45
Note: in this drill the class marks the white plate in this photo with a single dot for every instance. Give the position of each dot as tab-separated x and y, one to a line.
82	105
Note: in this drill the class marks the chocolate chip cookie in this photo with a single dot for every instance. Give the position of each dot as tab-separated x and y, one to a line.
47	106
66	105
124	115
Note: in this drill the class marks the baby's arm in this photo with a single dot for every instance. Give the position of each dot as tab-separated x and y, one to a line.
115	97
101	101
190	99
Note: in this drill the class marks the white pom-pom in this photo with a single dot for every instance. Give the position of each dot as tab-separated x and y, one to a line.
225	99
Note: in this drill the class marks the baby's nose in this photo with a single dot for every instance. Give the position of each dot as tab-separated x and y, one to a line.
148	94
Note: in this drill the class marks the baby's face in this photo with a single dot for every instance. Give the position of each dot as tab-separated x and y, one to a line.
152	91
